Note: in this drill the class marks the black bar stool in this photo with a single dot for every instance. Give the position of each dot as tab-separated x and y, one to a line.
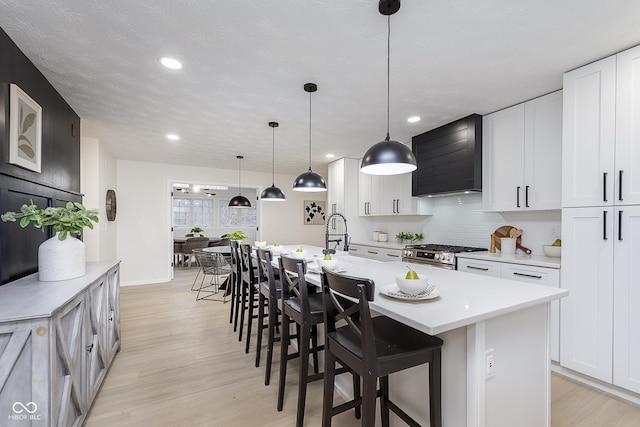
374	348
249	292
236	283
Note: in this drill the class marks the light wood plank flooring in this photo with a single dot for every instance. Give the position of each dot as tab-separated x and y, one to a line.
182	365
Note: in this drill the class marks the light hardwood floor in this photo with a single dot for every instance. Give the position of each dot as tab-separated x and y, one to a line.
181	365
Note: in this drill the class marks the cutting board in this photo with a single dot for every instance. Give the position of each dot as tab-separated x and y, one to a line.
507	231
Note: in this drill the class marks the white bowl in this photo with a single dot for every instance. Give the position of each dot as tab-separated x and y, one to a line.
258	244
552	251
329	263
298	255
411	287
276	249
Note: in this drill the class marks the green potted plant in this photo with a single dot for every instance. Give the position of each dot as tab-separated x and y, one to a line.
59	258
403	237
237	235
196	231
418	237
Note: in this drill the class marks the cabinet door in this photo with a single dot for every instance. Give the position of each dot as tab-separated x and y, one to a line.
24	370
503	160
588	140
486	268
546	277
627	161
113	315
364	194
543	153
586	314
68	376
626	317
98	295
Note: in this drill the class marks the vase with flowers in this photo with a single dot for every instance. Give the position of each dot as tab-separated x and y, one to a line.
61	257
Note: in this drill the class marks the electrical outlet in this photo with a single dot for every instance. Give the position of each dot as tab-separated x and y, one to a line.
554	231
490	365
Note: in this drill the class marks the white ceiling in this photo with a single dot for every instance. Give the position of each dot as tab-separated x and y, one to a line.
245	63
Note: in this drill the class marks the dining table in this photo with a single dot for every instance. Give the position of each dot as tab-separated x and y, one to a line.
477	317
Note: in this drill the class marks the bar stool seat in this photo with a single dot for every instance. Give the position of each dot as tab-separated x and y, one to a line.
374	348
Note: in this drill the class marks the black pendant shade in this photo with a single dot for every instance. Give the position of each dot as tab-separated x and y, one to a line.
310	181
273	193
239	201
388	157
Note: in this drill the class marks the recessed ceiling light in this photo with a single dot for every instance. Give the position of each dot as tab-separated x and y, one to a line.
329	156
173	136
172	63
413	119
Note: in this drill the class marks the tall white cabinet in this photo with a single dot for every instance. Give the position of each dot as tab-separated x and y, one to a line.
521	156
57	341
600	324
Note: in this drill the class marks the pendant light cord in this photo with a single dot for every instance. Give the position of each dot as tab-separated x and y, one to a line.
239	176
273	158
310	131
388	70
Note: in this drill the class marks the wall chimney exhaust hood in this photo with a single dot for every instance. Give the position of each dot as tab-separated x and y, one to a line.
449	158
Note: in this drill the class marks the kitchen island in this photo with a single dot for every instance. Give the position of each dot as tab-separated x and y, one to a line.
481	320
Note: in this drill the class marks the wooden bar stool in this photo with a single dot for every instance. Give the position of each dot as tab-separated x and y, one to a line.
249	301
235	283
374	348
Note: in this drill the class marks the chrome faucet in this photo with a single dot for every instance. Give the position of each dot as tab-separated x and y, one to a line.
337	241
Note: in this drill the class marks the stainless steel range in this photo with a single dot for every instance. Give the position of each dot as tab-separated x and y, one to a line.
442	256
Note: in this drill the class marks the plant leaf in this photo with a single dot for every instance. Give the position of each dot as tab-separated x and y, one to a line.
27	150
28	122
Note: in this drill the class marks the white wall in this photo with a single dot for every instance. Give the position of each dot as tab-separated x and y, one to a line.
144	214
459	220
97	175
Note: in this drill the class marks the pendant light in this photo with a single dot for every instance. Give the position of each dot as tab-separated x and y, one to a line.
239	201
388	157
273	193
310	181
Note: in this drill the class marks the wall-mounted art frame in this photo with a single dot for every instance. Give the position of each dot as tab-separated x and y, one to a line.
25	130
314	212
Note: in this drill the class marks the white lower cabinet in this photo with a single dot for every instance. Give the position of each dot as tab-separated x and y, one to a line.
522	273
54	359
601	315
375	252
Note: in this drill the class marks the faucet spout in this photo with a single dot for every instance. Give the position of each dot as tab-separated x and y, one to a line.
328	236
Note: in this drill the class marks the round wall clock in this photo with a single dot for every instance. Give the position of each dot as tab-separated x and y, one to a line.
111	205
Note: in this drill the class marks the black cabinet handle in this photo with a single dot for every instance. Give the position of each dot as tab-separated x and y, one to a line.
620	185
372	252
619	225
89	348
527	275
604	225
393	255
470	267
517	197
526	196
604	187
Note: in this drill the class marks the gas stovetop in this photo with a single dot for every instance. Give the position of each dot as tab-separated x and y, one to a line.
435	254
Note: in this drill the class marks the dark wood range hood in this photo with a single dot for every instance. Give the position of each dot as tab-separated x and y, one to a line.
449	158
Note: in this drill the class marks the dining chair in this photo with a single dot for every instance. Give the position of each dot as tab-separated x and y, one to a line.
374	347
305	310
190	244
211	264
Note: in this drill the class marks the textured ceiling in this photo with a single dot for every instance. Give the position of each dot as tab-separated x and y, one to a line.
245	63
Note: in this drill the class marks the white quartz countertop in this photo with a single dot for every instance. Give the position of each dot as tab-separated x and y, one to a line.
28	298
464	299
385	245
522	259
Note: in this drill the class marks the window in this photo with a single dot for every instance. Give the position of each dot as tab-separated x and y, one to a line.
193	212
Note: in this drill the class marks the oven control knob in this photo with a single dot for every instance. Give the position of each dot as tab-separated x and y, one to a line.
436	256
446	257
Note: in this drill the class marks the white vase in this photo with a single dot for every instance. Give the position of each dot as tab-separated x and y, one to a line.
61	259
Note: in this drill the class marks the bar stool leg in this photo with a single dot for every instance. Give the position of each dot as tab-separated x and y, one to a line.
273	319
329	378
284	348
384	401
435	389
262	303
243	308
369	394
303	349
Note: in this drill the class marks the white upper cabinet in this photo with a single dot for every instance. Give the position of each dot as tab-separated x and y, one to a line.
522	147
627	153
589	115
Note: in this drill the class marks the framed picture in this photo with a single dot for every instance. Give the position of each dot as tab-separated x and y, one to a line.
314	212
25	130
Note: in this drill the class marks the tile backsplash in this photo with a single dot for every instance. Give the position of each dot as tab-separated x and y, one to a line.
459	220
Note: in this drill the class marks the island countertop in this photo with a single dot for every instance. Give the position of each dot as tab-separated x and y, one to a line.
464	299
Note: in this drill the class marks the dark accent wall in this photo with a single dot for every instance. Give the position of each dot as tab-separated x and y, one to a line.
59	180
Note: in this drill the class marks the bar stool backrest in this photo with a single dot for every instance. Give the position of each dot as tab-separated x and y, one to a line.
294	285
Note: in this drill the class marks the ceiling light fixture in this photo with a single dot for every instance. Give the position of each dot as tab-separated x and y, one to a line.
310	181
388	157
171	63
239	201
273	193
172	137
413	119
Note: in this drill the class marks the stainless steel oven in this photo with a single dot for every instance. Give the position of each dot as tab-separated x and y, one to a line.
442	256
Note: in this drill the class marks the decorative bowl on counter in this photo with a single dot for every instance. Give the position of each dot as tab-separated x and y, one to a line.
411	286
275	249
298	254
260	243
329	263
552	251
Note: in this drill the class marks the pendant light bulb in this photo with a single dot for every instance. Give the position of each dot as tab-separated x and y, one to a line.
239	201
310	181
273	193
388	157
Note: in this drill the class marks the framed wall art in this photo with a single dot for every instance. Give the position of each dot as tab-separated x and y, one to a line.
314	212
25	130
